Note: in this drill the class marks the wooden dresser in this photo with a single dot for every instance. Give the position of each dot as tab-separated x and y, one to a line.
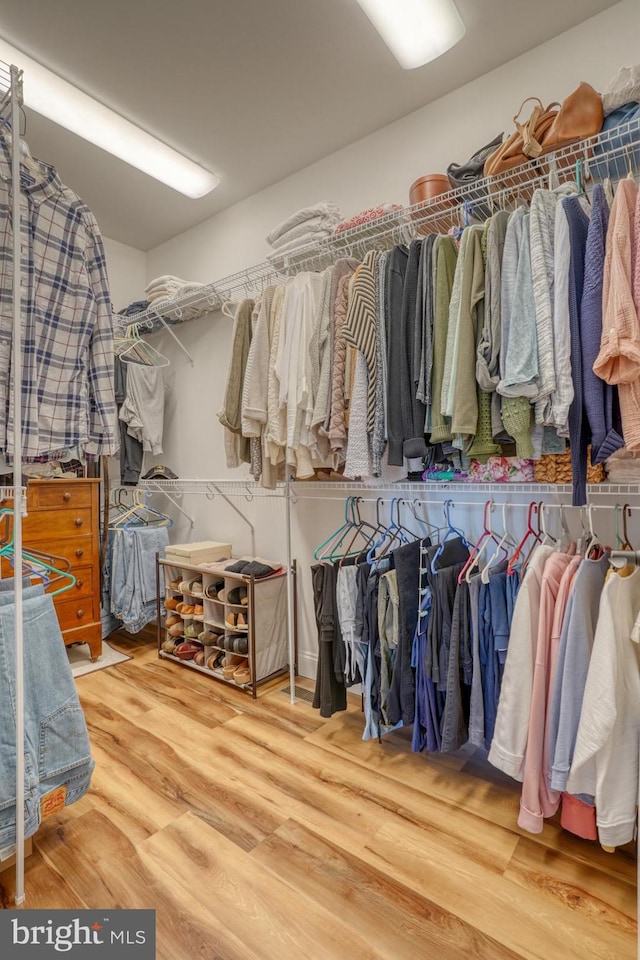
63	519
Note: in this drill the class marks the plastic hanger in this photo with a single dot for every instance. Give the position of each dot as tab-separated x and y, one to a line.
547	537
450	531
482	543
594	544
622	539
395	530
318	552
530	532
501	547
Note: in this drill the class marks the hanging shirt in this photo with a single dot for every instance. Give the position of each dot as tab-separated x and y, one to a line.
605	762
67	343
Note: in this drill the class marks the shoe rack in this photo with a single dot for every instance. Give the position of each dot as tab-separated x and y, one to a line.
229	627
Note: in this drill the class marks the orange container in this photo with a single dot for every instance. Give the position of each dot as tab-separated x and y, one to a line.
428	188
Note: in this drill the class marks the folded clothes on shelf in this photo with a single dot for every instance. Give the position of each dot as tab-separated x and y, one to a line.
325	213
367	216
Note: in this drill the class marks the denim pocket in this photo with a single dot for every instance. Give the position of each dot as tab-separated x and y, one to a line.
64	741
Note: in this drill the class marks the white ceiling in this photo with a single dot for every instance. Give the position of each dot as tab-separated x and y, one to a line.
252	89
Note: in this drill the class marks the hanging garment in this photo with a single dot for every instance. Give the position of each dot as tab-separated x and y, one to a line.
508	747
423	340
538	800
256	376
470	320
401	702
542	233
413	410
143	407
600	399
389	633
605	761
358	459
360	328
618	361
67	350
578	221
337	426
330	693
521	371
130	452
489	344
379	437
133	574
563	395
445	255
494	630
396	271
58	758
574	655
453	329
476	704
230	415
455	718
429	705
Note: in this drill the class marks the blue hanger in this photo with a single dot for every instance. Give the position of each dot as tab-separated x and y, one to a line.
451	531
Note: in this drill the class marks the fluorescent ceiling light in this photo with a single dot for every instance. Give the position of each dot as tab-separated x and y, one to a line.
58	100
416	31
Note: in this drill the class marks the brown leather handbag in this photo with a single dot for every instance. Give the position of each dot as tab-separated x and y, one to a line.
548	129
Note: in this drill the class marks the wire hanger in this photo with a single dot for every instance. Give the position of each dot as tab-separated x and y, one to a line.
450	531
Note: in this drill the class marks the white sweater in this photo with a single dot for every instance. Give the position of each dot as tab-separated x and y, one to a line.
605	760
512	721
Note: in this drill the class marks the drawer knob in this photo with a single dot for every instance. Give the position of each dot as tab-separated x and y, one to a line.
79	583
79	613
66	496
79	521
79	553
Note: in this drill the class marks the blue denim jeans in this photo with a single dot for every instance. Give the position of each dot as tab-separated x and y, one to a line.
133	574
57	751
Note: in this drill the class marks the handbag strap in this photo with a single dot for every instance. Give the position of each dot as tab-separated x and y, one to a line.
531	147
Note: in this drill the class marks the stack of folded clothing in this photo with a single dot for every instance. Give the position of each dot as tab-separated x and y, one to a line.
367	216
168	288
303	227
623	467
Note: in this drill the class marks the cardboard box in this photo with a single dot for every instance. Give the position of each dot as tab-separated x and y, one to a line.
206	551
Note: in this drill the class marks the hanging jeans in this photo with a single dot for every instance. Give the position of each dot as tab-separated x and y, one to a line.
133	574
57	751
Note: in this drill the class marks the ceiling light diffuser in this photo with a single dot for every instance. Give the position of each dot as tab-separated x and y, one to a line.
416	31
59	101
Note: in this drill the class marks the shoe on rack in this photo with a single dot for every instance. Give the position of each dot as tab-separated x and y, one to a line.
198	610
177	630
174	584
191	632
192	587
214	660
187	610
236	620
238	596
171	620
212	589
242	675
232	663
171	603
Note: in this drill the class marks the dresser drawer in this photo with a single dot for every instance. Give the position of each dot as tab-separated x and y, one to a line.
59	494
53	525
74	612
78	550
83	586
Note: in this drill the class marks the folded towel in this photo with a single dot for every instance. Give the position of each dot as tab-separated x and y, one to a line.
325	208
290	249
163	281
309	226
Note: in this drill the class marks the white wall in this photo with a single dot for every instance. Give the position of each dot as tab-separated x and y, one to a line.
126	268
378	168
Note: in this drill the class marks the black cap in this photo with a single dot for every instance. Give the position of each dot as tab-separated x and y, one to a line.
160	472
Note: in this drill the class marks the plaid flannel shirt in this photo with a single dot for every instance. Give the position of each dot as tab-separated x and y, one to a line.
67	327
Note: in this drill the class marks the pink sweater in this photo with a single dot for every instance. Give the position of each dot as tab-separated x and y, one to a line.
538	800
619	357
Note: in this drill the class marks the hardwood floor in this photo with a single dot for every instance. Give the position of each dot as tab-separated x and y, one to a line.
259	831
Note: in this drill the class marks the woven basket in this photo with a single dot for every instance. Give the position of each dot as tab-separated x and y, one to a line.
556	468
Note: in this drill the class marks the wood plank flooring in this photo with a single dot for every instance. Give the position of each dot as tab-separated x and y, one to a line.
259	831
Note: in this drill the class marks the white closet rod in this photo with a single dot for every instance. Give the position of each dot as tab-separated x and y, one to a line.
16	363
